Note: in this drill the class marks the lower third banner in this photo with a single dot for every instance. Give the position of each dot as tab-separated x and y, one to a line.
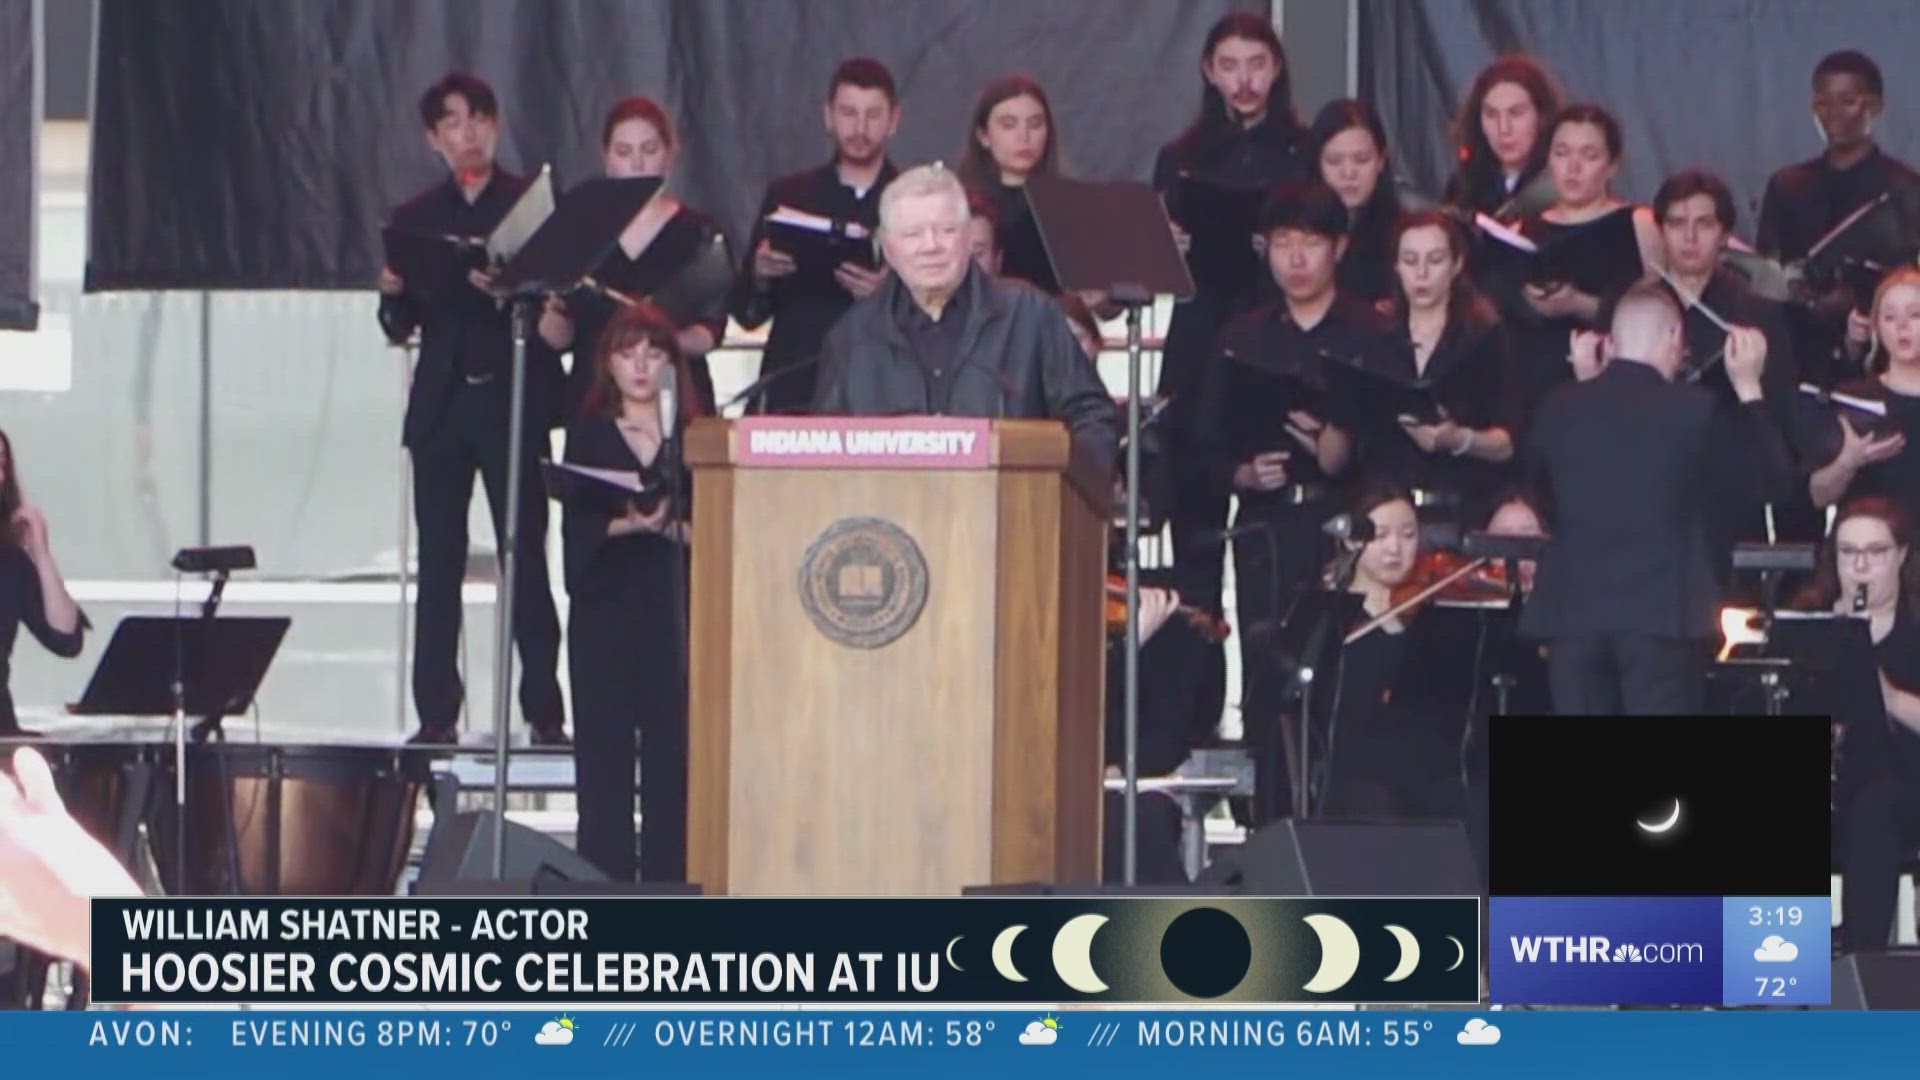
1118	950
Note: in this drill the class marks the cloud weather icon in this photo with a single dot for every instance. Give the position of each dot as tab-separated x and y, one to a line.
555	1033
1039	1033
1776	950
1478	1033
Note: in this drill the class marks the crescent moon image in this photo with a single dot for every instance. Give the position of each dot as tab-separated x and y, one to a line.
1672	820
1339	954
950	959
1460	957
1409	952
1003	954
1073	953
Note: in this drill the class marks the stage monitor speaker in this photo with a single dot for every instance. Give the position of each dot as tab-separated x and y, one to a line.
460	853
1878	981
1349	858
1046	888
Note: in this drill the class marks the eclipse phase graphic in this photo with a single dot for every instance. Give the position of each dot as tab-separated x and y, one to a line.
1003	954
1662	826
1339	954
1073	953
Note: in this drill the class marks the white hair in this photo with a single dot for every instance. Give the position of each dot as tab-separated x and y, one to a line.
920	182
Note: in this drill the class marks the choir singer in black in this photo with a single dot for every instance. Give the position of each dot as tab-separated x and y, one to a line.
457	418
943	338
862	113
625	561
1627	595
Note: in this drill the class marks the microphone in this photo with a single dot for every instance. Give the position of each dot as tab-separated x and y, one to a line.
669	401
1349	528
767	379
1860	598
213	560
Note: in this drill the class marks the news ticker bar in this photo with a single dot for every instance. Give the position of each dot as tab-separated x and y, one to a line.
1661	950
1107	950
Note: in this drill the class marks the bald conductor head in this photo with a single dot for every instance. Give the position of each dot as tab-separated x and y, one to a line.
1647	328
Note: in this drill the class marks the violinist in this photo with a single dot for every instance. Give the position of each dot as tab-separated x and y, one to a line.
1387	752
1455	345
1870	573
1183	665
1499	134
665	241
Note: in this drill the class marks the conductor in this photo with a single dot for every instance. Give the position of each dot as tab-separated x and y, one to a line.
1627	591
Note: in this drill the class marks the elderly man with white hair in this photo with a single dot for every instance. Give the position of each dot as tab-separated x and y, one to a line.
941	337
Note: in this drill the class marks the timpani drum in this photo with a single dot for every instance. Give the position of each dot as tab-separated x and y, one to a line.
288	820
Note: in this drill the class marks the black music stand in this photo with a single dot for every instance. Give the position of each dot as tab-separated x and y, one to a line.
1115	237
171	666
555	260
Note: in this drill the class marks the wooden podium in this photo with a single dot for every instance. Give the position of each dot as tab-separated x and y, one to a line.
897	656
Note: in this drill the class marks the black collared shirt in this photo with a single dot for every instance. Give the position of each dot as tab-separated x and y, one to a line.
803	306
935	342
1803	201
452	314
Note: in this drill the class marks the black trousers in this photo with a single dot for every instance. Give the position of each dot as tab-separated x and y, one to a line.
1626	675
1157	858
1405	798
472	436
1880	822
629	698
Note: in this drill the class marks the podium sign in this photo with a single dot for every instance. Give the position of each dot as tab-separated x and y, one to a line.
897	657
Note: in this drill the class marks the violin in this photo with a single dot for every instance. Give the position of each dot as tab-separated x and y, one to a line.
1438	576
1205	623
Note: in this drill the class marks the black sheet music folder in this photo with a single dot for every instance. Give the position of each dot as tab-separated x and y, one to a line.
222	661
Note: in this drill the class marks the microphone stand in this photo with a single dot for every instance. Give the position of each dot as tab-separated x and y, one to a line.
1134	298
509	567
1344	568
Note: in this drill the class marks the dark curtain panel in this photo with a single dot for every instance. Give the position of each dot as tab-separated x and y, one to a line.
19	165
246	145
1717	83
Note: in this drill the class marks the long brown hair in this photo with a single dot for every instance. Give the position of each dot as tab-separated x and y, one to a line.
976	162
1478	163
10	499
1823	591
1465	301
643	323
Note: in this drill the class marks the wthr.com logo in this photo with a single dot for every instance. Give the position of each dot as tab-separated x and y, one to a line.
1538	949
1564	950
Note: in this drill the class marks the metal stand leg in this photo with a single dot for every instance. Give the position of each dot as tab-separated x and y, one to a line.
405	575
503	601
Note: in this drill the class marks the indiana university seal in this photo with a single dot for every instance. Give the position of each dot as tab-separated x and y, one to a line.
863	582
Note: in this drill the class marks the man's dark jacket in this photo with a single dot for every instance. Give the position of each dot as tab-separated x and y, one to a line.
1017	358
1628	464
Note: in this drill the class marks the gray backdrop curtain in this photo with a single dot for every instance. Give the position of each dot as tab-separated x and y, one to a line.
19	169
246	145
1718	83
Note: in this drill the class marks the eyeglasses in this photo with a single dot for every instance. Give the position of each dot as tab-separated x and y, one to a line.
1874	555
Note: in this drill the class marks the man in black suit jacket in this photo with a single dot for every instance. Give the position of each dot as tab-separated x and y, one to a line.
943	338
1627	596
457	419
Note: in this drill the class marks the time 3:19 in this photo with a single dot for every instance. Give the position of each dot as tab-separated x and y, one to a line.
1784	915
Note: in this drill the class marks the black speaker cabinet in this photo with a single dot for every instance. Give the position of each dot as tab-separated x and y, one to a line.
1877	980
460	854
1349	858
